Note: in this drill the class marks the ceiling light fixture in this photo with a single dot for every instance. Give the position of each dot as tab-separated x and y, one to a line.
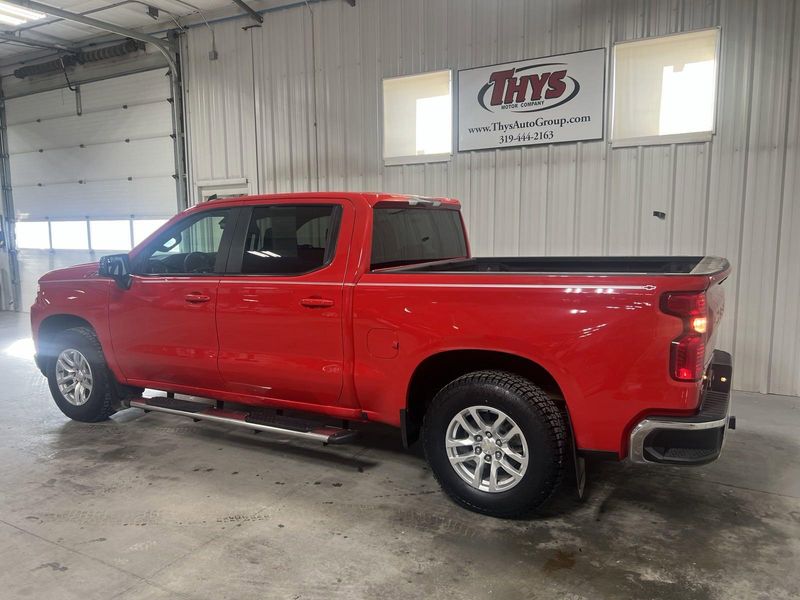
9	20
16	15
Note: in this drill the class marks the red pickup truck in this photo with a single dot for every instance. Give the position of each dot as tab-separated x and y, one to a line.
304	313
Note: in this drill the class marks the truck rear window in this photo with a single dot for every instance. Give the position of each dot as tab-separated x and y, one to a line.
408	235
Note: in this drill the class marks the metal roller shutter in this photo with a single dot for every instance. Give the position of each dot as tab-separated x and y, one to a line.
115	160
91	183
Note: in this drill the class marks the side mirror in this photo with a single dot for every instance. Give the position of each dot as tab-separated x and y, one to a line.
118	268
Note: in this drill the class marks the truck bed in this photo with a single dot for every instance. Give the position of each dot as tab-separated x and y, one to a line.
590	265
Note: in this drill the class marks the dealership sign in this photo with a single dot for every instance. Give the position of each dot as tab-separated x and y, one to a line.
537	101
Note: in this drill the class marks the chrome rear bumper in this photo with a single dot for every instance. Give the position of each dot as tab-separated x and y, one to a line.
693	440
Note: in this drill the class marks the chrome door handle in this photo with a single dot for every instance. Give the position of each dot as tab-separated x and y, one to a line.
316	302
196	298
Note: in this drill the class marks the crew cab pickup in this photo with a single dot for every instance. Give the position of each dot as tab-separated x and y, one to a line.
306	314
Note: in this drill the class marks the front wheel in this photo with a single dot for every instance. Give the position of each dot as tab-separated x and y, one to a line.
78	377
496	443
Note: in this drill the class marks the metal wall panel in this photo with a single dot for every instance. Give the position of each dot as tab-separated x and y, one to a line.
220	114
729	152
253	115
784	375
763	192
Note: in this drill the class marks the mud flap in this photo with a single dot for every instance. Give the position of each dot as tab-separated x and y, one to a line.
580	474
580	469
409	430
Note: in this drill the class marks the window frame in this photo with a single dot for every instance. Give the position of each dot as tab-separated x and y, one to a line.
671	138
222	253
415	159
236	251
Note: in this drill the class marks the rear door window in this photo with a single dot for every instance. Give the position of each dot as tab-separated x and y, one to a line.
286	239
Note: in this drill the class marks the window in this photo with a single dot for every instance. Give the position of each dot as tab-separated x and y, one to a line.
69	235
105	234
110	235
191	247
408	235
32	234
144	227
665	89
289	240
417	118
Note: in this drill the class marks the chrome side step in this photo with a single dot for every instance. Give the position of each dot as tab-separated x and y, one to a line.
200	411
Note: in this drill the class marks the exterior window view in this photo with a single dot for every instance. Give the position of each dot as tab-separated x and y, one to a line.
398	299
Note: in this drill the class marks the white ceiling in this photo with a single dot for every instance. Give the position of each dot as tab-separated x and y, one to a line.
131	14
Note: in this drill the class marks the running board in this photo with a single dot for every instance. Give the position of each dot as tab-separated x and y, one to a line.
247	420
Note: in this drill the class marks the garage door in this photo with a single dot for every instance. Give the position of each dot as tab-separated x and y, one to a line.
91	183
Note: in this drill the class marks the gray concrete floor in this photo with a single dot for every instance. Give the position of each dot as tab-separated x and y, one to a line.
154	506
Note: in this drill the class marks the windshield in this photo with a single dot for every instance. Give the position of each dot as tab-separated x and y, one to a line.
407	235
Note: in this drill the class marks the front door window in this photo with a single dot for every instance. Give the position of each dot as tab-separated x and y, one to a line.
191	248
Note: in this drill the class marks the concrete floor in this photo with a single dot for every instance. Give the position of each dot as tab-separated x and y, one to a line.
154	506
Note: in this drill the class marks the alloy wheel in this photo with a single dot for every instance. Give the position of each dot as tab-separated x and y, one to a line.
487	449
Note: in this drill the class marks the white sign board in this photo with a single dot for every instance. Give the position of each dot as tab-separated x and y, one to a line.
536	101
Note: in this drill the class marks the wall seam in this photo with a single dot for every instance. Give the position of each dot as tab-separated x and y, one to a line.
673	196
256	111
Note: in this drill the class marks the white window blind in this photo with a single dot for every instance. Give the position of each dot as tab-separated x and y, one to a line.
665	89
417	118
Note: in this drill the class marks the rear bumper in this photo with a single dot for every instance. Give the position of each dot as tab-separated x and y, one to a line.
693	440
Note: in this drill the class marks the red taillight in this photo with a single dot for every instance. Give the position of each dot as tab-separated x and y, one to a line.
689	348
684	304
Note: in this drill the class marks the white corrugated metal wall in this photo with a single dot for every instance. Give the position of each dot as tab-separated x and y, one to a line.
251	115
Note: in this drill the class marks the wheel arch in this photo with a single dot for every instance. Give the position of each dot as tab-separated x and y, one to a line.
50	327
437	370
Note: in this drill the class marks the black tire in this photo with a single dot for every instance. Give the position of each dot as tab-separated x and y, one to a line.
104	399
541	421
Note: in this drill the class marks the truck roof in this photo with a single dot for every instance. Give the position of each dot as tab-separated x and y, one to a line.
370	199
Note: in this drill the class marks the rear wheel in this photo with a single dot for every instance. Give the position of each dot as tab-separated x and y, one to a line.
496	443
79	380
